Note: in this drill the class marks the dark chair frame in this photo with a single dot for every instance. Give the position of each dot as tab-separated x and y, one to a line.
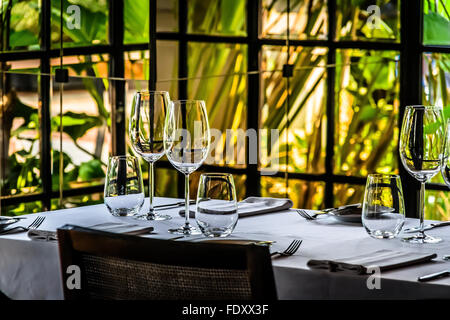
75	241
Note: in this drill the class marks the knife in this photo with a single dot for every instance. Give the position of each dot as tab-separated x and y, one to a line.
428	227
173	205
433	276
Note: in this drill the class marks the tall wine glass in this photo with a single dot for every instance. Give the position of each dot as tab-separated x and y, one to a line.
421	142
148	113
445	167
186	142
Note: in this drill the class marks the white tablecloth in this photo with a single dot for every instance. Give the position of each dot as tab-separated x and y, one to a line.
30	269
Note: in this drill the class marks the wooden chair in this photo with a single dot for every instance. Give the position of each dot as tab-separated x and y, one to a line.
117	266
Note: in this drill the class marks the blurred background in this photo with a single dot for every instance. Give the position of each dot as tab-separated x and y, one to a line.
338	114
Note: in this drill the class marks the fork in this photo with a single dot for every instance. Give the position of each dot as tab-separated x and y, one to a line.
290	250
34	225
308	216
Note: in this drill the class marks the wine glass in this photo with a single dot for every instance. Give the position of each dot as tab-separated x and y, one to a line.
146	128
445	167
421	143
186	143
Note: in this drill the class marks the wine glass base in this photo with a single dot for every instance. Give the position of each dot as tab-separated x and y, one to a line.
421	238
153	217
189	231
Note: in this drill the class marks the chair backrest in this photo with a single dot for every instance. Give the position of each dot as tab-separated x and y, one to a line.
117	266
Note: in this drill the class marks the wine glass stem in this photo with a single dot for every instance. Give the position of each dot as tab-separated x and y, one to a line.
422	206
151	187
186	201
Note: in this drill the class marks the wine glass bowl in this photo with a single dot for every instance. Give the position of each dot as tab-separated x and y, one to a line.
445	167
146	131
421	153
186	143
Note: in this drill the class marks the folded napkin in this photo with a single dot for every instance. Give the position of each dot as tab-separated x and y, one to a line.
383	259
116	227
257	205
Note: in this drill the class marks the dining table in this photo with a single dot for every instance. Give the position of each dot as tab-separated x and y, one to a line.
30	269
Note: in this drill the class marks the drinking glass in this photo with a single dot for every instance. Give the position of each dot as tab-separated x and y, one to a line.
146	128
186	143
216	213
124	190
383	212
421	144
445	167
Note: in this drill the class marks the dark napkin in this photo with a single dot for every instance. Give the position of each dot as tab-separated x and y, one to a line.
384	259
252	206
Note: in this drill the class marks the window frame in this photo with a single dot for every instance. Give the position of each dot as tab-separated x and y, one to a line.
410	47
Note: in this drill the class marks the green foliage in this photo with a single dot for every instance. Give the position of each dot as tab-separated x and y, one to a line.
76	124
93	23
436	22
226	17
91	170
136	21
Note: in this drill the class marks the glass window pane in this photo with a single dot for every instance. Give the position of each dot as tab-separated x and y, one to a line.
436	79
86	122
137	68
304	194
166	182
307	19
84	23
78	201
20	25
437	205
436	86
217	17
136	21
348	194
20	130
366	114
371	20
219	70
22	208
167	15
436	22
307	109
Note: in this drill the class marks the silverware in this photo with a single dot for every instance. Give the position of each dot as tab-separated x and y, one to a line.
313	216
433	276
428	227
34	225
172	205
290	250
12	218
308	216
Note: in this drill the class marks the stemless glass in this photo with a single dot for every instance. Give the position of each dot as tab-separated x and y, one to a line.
421	142
383	212
124	190
186	142
216	213
445	167
146	128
